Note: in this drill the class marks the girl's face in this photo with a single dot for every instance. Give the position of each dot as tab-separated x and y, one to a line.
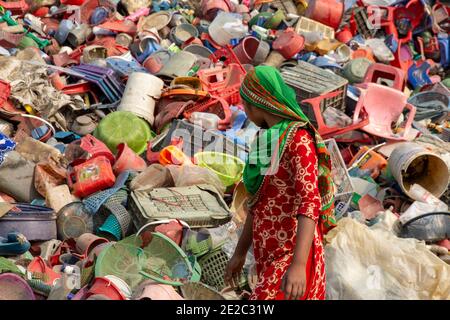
255	115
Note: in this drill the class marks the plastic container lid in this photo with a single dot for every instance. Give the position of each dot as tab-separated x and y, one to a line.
123	126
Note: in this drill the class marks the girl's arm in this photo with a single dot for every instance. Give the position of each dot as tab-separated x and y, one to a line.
246	239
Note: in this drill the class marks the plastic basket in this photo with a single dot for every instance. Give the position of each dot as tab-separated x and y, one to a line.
228	168
213	269
310	81
112	226
199	206
341	178
307	25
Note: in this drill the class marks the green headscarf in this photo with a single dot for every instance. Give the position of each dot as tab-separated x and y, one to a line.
264	88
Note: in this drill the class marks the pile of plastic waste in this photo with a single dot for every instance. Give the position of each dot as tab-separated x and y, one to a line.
123	141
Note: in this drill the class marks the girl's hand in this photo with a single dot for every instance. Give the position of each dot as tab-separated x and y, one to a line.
294	282
233	270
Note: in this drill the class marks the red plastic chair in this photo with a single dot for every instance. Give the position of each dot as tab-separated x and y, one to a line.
378	71
215	105
384	106
223	82
326	131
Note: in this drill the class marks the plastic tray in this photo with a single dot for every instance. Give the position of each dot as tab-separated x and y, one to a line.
310	81
200	206
307	25
34	222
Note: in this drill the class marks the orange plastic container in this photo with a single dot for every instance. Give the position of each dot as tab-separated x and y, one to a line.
91	176
372	161
173	155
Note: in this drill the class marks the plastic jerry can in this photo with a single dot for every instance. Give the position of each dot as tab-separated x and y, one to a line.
91	176
372	161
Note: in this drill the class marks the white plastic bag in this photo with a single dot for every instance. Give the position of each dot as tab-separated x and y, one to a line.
365	263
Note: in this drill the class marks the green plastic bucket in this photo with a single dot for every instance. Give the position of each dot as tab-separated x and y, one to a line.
123	126
227	167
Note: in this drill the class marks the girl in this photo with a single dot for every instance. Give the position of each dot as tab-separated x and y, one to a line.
288	175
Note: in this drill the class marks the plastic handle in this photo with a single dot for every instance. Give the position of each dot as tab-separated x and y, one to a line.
161	222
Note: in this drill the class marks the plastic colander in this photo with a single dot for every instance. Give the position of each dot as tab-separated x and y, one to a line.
123	126
122	260
167	263
227	167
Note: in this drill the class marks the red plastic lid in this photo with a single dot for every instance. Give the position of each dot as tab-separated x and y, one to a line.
289	43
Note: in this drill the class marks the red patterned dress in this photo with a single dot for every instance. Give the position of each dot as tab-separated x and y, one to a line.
291	191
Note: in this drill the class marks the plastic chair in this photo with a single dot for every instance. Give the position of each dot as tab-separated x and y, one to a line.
325	130
384	105
223	82
378	71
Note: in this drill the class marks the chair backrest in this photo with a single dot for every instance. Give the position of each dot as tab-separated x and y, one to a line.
383	104
380	71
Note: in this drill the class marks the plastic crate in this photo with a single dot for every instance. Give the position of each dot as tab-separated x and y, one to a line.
363	25
217	106
341	178
310	81
213	268
195	139
200	206
309	25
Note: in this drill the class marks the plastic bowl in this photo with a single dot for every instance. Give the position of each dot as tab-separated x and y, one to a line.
227	167
124	127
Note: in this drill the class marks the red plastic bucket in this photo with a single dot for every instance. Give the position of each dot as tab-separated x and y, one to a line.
246	50
105	287
127	159
328	12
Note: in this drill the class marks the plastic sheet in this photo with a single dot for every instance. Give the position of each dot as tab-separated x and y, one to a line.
189	175
365	263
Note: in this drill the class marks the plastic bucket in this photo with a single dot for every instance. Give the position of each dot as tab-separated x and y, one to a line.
106	287
183	32
275	59
87	242
410	163
127	159
139	95
246	50
198	50
227	167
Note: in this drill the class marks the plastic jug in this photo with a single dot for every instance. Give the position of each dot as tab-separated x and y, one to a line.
91	176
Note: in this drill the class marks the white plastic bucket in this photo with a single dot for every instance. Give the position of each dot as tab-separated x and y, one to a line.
411	163
140	93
